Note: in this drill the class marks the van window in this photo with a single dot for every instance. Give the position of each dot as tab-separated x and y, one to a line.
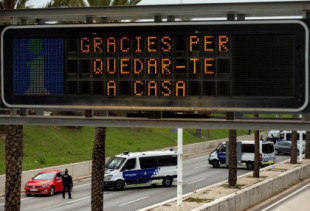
288	136
167	160
131	164
222	148
268	148
148	162
281	136
249	148
303	136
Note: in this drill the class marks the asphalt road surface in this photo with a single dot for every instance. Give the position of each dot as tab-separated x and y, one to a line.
197	173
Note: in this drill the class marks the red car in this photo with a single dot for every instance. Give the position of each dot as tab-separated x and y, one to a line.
45	182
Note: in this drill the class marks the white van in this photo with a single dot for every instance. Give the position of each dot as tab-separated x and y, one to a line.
286	135
141	168
245	154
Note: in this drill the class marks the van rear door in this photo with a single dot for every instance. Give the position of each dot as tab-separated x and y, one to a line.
268	153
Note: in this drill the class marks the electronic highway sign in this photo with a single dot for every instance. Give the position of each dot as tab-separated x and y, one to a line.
181	66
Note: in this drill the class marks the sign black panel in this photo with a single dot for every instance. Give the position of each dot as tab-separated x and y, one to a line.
223	66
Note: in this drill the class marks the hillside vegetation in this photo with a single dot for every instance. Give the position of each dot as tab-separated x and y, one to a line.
50	145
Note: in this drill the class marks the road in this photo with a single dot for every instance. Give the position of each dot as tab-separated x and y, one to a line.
197	173
295	198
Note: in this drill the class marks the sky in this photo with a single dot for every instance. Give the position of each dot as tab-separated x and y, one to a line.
40	3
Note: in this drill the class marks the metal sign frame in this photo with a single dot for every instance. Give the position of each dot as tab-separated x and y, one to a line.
161	108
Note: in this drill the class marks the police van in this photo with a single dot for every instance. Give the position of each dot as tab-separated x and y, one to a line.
141	168
286	135
245	154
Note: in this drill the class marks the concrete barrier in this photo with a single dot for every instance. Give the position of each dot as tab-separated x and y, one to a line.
254	194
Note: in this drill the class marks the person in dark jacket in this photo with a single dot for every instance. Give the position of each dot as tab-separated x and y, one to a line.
67	184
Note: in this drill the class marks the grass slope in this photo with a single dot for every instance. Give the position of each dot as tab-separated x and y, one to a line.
50	145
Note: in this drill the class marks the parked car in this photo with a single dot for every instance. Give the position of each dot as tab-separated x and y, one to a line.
284	147
45	182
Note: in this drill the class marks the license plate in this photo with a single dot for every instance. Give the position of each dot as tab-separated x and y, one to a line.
33	189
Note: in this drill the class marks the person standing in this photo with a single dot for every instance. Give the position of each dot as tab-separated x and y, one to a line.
67	184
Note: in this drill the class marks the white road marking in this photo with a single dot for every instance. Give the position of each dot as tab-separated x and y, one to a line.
196	181
70	202
285	198
133	201
200	166
81	185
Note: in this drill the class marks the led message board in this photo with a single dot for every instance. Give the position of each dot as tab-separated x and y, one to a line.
221	66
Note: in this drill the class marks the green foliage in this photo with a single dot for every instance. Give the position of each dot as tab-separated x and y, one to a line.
66	3
13	4
50	146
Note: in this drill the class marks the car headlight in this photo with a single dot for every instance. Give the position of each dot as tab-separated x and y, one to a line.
27	186
107	178
44	186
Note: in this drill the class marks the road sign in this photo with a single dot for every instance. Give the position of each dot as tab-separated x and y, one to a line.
191	66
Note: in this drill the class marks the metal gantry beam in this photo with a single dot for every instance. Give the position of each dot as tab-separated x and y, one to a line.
248	124
210	10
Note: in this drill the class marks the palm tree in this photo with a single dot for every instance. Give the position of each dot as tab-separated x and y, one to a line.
13	166
98	163
98	157
256	152
13	143
66	3
307	155
232	162
294	147
13	4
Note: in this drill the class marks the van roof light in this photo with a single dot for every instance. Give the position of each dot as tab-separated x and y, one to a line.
126	153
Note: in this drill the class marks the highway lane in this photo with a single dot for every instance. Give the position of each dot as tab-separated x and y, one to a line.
196	174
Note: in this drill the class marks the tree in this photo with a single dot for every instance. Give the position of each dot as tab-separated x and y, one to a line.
13	143
13	166
232	162
13	4
307	155
256	152
98	157
294	147
66	3
98	163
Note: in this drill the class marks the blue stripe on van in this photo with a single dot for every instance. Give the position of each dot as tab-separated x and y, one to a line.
140	176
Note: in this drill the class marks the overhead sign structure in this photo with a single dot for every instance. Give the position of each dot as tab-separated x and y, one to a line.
192	66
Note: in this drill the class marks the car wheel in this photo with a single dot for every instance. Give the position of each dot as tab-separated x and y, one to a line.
250	165
28	195
167	182
52	191
119	185
216	164
276	152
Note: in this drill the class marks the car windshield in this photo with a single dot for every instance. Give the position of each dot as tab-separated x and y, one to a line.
115	163
44	176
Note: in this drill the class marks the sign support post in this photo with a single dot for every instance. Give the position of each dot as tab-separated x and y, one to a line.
180	167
